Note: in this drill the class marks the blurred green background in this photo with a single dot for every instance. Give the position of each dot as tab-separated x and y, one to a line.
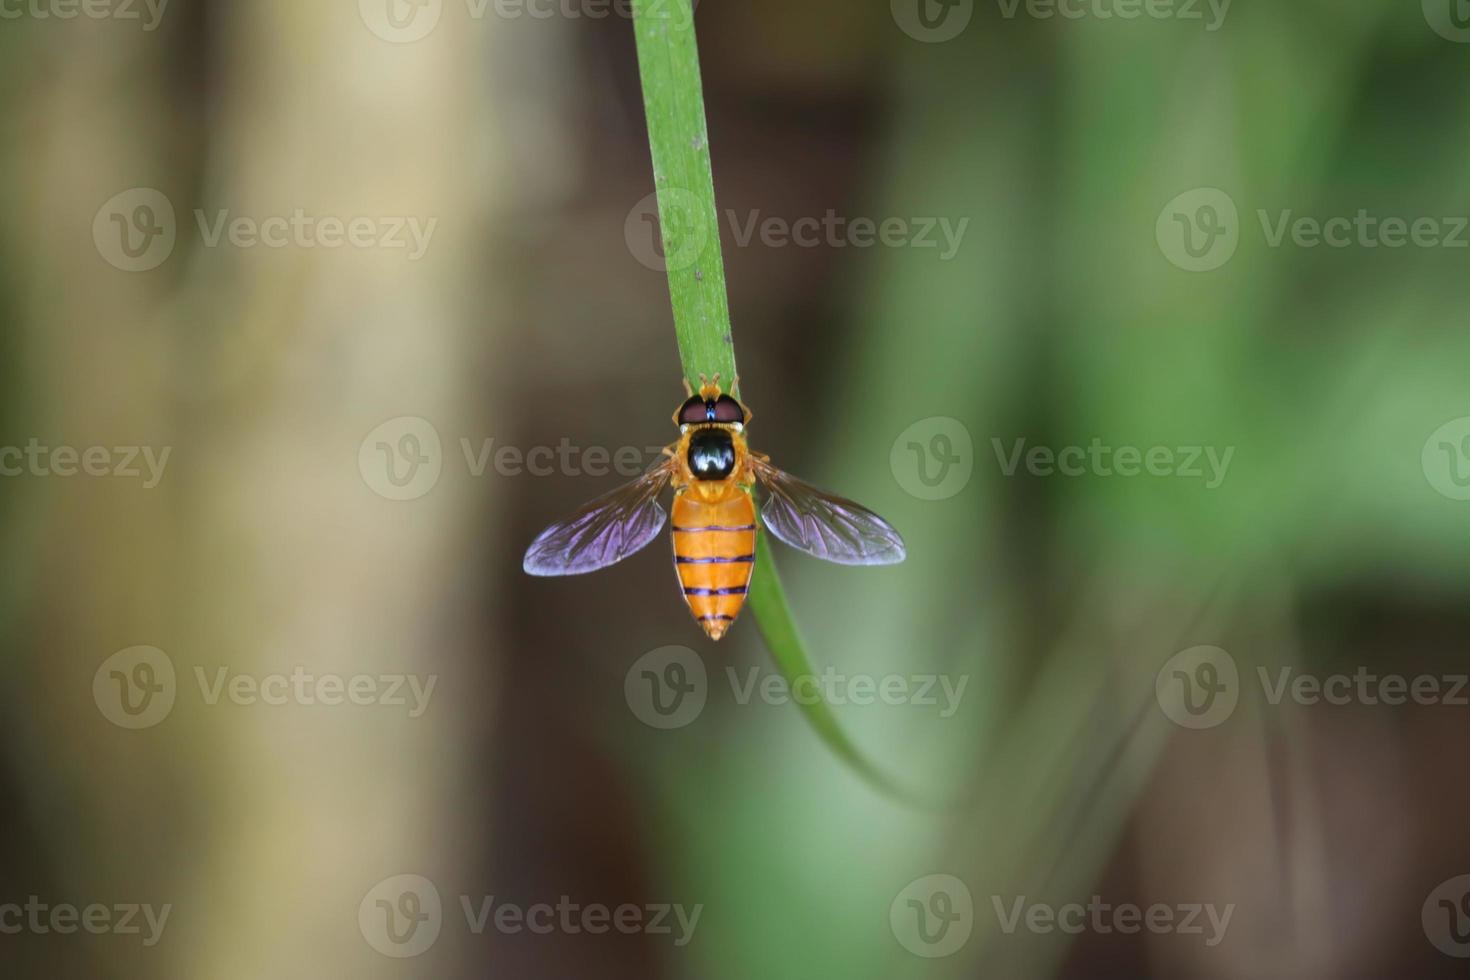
1133	270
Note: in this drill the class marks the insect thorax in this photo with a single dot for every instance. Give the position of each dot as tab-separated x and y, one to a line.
711	454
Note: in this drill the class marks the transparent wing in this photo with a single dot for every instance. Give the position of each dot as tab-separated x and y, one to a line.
604	532
823	525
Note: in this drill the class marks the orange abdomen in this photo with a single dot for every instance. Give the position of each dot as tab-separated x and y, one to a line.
714	554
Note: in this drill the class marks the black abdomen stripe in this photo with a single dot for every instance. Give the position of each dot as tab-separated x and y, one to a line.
714	527
714	560
713	617
733	590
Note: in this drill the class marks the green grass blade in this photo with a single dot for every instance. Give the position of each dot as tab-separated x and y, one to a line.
673	99
768	601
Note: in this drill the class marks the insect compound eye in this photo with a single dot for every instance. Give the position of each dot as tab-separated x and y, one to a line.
693	412
727	409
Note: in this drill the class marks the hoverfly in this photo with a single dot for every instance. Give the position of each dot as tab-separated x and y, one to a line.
713	474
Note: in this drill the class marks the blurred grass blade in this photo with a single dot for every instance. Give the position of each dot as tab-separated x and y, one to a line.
673	99
768	601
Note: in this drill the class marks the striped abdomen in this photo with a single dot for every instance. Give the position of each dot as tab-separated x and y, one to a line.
714	554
